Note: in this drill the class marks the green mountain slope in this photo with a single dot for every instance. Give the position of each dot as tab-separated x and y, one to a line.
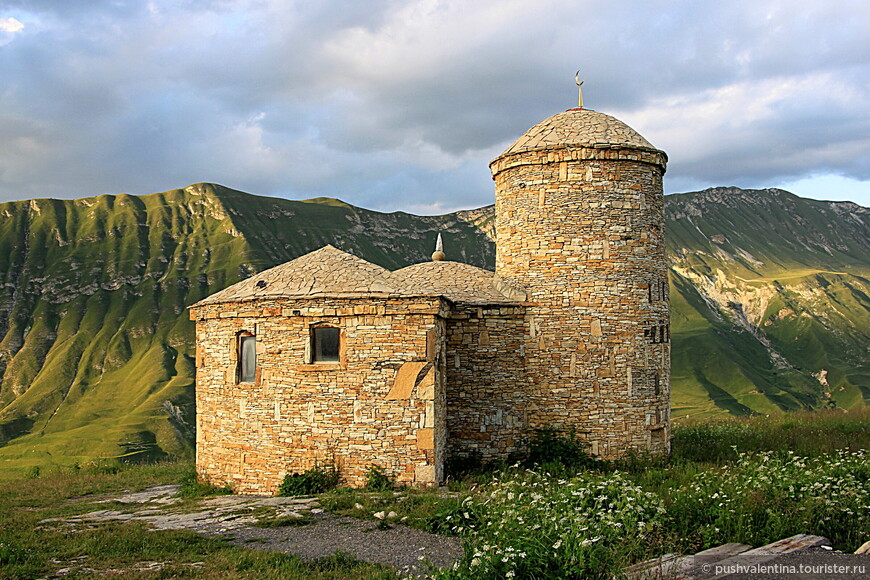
95	343
770	307
769	298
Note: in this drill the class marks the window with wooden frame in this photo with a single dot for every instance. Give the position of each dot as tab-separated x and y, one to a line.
247	369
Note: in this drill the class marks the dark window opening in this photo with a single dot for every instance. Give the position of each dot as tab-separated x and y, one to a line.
247	359
657	384
324	344
658	333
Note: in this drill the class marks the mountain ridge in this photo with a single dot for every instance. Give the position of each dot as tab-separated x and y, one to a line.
96	350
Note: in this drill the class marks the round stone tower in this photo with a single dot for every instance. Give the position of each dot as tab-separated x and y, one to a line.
580	225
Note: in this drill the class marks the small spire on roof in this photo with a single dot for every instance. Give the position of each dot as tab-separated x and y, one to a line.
579	89
439	255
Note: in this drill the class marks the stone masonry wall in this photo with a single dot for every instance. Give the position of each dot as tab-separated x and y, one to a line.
582	229
382	404
486	389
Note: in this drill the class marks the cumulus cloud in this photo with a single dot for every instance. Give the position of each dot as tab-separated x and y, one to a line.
396	104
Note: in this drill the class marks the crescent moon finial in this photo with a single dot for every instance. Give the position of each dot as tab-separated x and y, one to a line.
579	89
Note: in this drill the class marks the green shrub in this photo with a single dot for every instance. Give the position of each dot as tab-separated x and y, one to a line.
558	451
450	518
316	480
377	479
194	486
458	466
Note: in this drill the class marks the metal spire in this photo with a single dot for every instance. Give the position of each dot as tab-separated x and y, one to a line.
579	89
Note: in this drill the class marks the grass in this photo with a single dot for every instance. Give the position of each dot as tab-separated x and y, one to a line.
806	433
734	480
30	549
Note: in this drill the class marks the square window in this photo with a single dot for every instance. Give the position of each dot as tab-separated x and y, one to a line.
247	359
324	344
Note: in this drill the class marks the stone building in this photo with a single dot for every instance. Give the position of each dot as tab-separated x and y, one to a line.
331	359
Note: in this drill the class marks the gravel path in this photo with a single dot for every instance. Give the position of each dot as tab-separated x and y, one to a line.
401	547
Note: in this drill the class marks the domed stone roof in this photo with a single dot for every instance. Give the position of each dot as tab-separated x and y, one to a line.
461	283
579	128
327	272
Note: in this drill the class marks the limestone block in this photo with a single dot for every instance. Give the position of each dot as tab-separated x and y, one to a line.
405	380
430	344
424	474
426	388
425	439
429	420
595	328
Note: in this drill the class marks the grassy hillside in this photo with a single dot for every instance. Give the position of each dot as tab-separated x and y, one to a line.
770	307
769	295
95	343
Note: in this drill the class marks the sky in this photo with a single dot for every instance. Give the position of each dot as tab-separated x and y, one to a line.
400	105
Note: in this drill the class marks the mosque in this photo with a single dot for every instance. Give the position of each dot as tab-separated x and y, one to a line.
330	359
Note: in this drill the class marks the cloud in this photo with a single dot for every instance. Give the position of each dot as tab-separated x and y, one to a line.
772	129
396	104
8	28
10	25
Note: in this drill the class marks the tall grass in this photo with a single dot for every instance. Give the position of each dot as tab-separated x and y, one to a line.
808	433
764	497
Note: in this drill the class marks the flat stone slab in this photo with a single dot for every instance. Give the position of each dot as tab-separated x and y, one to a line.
162	494
799	557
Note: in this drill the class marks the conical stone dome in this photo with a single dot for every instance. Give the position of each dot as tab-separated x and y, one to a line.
580	128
